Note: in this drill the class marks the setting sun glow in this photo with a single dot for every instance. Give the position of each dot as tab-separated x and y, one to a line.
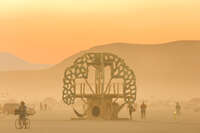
47	31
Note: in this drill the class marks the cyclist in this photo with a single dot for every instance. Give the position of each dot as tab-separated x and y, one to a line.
22	112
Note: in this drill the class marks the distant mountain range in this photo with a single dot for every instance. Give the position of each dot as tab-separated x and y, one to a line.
169	71
9	62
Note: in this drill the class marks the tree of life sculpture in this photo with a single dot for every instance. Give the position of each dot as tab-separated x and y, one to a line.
102	97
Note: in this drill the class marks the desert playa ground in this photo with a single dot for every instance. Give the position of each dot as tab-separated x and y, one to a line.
158	121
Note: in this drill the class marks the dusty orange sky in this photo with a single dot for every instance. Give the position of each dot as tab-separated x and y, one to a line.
47	31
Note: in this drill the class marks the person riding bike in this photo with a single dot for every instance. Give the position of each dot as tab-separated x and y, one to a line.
22	112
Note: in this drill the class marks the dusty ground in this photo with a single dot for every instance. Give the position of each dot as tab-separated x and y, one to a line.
158	121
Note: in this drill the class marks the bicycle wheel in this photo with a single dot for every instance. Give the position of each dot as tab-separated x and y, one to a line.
18	124
27	124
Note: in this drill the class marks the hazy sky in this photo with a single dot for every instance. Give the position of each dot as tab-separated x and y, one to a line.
47	31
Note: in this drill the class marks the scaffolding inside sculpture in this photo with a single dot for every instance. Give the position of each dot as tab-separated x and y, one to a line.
99	80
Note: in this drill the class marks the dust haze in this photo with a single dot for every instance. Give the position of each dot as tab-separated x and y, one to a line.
165	74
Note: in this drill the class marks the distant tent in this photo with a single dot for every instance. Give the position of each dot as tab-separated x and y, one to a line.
50	102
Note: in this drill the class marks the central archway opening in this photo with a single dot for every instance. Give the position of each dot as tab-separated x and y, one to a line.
96	111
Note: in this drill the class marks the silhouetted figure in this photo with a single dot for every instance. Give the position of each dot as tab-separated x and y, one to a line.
45	107
143	108
41	107
1	109
135	106
115	108
178	108
131	110
22	112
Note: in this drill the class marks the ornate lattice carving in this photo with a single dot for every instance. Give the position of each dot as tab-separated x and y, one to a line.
80	70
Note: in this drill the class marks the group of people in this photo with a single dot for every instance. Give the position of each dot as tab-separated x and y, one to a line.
132	108
22	110
43	107
143	108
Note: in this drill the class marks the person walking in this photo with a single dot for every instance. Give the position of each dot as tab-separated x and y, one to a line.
131	110
143	108
178	108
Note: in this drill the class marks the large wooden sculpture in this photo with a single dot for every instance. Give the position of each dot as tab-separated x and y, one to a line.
101	97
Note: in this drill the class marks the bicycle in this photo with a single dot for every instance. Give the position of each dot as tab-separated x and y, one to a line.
23	123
